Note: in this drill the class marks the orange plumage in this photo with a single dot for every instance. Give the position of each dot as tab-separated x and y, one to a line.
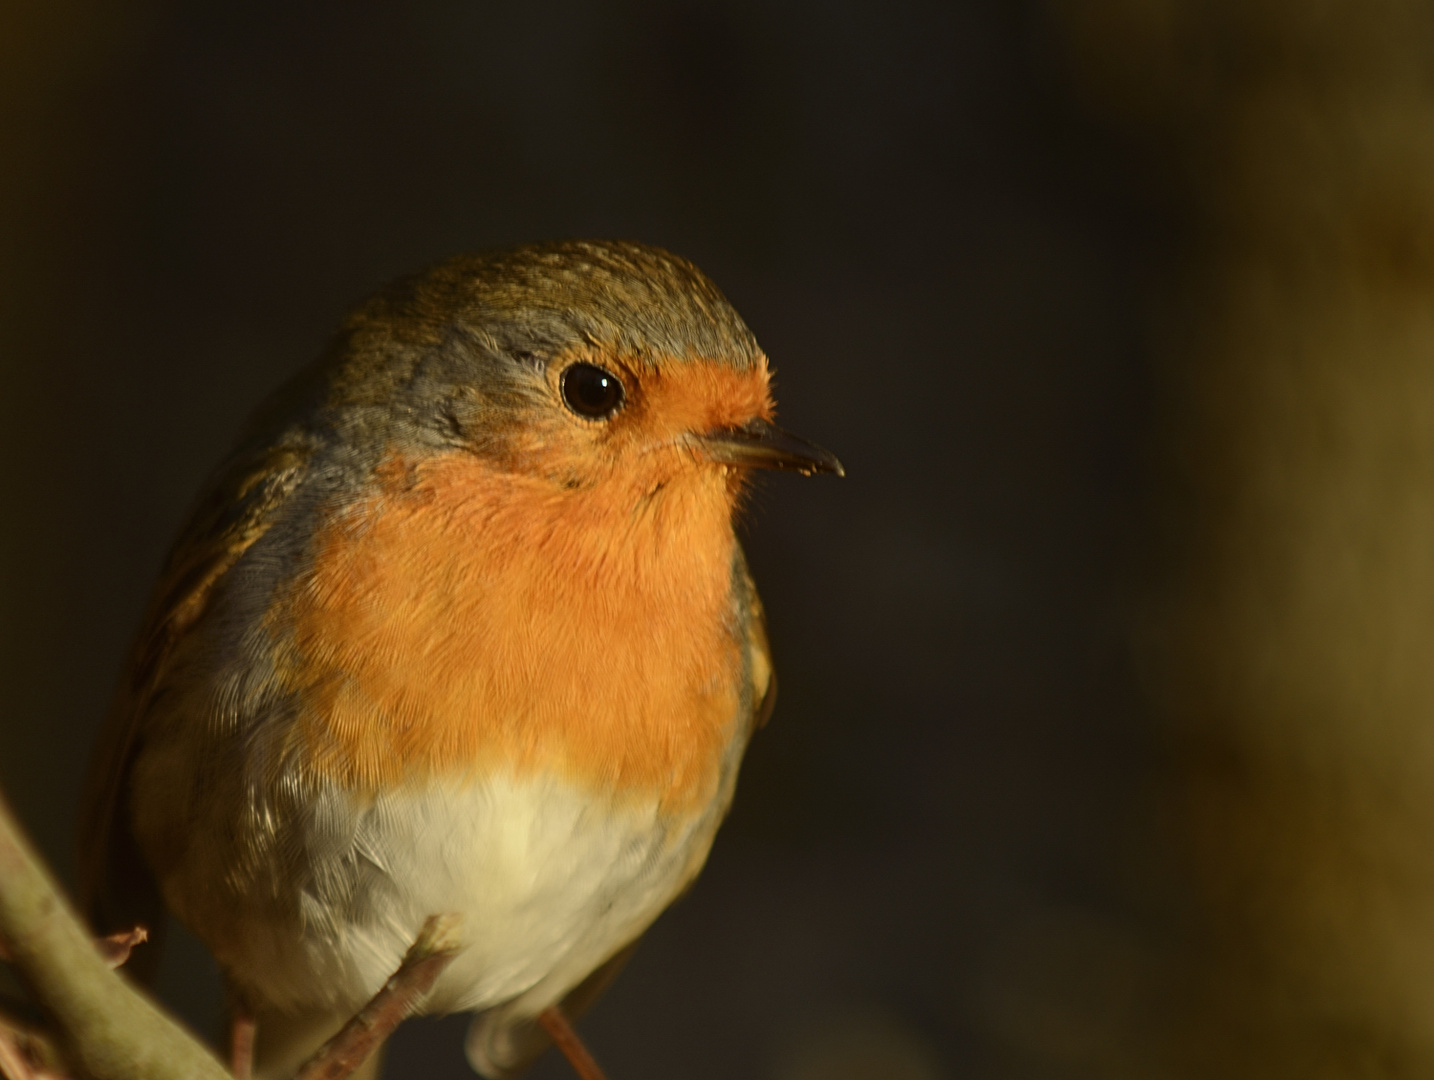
589	629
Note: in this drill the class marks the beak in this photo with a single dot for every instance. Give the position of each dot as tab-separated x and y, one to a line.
760	445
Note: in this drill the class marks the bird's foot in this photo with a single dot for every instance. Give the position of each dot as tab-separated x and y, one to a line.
438	943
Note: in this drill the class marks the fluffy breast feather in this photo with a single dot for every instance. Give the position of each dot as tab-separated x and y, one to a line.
464	619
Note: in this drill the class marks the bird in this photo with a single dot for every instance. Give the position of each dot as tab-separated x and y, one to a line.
461	625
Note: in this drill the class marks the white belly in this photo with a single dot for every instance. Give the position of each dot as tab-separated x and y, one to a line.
549	884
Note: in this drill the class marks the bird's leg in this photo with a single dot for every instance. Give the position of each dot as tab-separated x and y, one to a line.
438	943
241	1039
566	1040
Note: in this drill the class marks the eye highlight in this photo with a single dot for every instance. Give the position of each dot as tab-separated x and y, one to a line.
592	392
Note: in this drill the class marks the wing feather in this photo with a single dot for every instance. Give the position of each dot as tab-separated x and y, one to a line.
116	889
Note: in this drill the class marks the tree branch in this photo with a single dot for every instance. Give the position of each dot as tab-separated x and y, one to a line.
106	1028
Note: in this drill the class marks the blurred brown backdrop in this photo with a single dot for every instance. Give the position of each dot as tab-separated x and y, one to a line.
1291	633
1103	746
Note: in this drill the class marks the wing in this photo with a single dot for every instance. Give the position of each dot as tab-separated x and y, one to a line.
117	890
753	618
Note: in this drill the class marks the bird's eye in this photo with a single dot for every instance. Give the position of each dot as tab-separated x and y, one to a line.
592	391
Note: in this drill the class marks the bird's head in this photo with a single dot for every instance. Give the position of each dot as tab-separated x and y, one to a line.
581	365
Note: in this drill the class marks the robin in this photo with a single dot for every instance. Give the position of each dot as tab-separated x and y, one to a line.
461	626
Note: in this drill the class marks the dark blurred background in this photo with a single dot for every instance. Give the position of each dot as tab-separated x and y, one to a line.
1112	310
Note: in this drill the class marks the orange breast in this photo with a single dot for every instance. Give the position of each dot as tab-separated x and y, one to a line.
464	619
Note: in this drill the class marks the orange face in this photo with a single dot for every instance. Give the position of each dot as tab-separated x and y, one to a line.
565	609
665	410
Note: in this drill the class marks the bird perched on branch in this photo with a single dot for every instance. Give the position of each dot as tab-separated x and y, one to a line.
461	626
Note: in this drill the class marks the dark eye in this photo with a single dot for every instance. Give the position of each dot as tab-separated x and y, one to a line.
591	391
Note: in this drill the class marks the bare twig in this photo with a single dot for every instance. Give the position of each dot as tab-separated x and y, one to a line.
14	1063
566	1040
438	943
26	1043
28	1054
116	948
108	1029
